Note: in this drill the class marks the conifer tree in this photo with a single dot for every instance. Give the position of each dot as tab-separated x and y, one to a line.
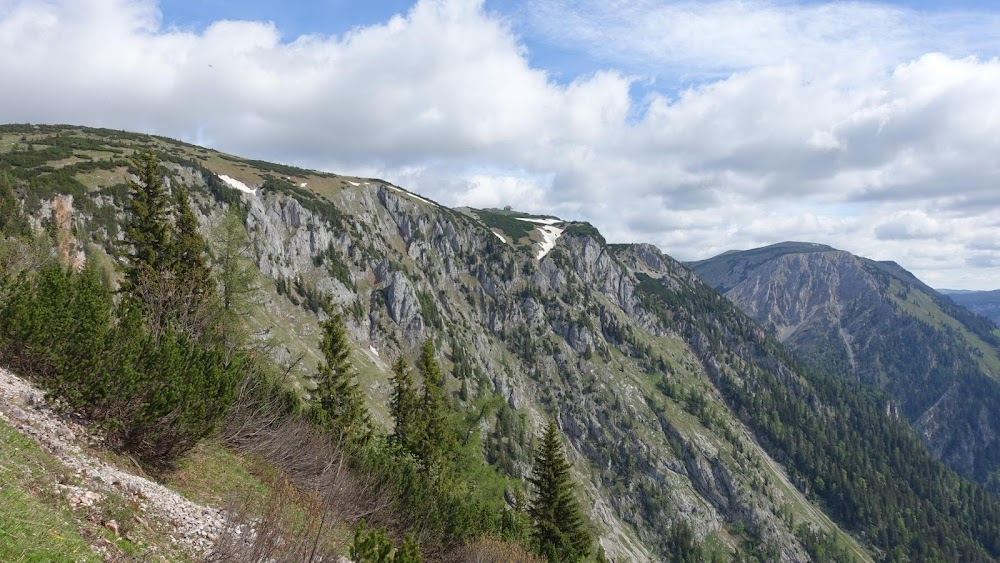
337	400
12	220
193	285
560	528
148	231
238	284
193	273
403	405
436	439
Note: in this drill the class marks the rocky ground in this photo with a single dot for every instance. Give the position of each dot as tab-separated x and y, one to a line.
190	526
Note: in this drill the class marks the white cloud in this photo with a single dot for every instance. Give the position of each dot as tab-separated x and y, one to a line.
857	125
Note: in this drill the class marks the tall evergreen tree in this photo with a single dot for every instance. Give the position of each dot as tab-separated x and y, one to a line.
167	277
403	405
12	219
337	400
148	230
436	434
188	260
150	283
560	527
194	287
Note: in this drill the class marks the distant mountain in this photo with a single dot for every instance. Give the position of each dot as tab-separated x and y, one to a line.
877	323
985	303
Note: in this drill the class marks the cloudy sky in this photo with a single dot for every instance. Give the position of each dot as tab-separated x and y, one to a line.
697	126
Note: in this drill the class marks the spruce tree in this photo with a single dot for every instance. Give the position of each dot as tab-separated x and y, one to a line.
194	286
437	438
188	260
560	528
403	405
12	219
148	230
337	400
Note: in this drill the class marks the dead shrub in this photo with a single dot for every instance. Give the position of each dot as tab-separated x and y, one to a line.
493	550
286	527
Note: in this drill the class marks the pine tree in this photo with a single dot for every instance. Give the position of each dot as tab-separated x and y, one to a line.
337	400
12	219
188	260
403	405
560	527
150	283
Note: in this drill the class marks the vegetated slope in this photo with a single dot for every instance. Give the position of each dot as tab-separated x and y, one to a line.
876	323
679	409
985	303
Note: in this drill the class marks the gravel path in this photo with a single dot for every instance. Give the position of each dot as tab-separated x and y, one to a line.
194	527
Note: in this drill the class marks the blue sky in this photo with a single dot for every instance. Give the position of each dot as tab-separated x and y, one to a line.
327	17
696	126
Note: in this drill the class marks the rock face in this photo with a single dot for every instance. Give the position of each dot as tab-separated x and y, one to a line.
563	336
877	323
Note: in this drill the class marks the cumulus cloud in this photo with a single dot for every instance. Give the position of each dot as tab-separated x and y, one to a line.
711	126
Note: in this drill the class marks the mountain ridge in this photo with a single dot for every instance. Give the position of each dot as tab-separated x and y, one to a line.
985	303
647	371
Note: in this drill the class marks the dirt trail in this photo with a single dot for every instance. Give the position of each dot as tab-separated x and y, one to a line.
191	526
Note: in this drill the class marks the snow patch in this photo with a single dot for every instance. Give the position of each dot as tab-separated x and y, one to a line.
550	234
499	236
303	184
374	351
414	196
540	221
234	183
354	183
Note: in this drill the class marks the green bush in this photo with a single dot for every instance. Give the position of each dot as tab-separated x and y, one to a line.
374	546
